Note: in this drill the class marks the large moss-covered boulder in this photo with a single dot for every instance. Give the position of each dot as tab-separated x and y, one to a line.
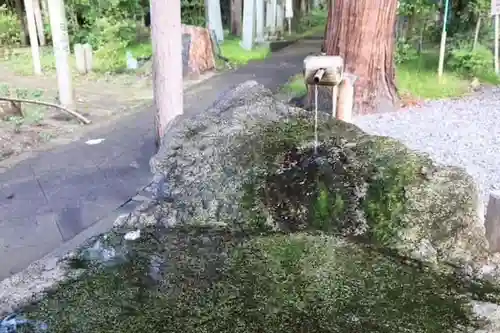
258	227
252	161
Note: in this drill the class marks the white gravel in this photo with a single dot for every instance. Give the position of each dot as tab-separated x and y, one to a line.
462	132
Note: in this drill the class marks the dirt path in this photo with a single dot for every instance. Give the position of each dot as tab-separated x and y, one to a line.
101	99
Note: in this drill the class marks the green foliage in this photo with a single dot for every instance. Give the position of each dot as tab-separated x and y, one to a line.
295	86
10	29
470	62
232	50
404	52
193	12
313	19
415	7
418	78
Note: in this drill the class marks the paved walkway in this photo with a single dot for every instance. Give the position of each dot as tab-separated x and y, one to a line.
49	199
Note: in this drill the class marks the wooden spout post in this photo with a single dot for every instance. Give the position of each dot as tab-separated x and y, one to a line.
346	98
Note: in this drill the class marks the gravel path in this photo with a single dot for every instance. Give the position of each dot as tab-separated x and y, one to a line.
463	132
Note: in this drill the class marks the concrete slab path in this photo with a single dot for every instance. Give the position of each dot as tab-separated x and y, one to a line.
49	199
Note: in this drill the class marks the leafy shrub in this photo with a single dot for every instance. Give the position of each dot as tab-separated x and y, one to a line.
466	61
10	29
107	31
315	18
405	52
111	58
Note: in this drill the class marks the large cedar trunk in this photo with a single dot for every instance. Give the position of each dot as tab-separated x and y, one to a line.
236	14
362	32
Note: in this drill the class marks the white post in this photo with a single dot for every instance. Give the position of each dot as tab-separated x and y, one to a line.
248	24
496	43
167	63
35	51
280	19
271	18
80	58
345	102
259	21
214	19
39	22
89	62
289	14
60	41
492	222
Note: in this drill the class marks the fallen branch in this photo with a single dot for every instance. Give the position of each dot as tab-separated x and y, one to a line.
75	114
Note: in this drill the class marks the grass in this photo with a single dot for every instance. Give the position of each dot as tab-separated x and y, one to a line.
232	50
419	78
295	86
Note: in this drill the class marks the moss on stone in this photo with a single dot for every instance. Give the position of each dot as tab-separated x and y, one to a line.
354	183
213	280
283	266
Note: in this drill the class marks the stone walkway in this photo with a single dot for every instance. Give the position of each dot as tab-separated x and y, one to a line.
78	189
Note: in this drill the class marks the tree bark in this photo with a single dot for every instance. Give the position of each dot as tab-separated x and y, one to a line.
39	22
362	32
167	63
22	20
236	14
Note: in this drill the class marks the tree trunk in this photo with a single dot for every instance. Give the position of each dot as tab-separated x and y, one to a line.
39	22
303	7
22	20
236	13
362	32
167	63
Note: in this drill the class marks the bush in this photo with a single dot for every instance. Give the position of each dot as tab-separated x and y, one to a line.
315	18
10	29
107	31
111	58
405	52
464	60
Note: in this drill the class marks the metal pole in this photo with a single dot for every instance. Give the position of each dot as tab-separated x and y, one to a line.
443	39
496	43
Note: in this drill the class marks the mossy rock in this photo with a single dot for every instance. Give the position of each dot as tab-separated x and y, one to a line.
201	279
257	229
358	185
250	160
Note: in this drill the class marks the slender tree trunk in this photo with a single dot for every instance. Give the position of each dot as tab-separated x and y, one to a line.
167	63
39	22
35	51
329	22
303	7
22	20
362	32
45	10
236	14
297	16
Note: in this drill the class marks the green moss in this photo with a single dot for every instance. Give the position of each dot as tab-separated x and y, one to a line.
396	168
327	206
216	281
304	189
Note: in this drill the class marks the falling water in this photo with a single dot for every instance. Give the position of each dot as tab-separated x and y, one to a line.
315	118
